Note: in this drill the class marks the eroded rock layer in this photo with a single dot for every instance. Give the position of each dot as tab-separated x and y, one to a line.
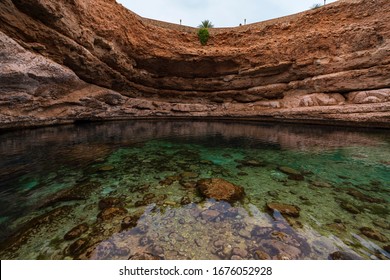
63	61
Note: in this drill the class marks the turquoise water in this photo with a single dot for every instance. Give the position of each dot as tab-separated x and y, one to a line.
130	190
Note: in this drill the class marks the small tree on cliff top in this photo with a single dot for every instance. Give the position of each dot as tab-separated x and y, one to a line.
206	24
203	33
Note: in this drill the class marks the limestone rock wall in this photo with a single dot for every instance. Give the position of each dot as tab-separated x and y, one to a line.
68	60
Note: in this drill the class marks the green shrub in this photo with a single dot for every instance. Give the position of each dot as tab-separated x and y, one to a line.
203	35
206	24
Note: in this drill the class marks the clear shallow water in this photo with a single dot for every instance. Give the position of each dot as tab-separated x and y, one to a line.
125	190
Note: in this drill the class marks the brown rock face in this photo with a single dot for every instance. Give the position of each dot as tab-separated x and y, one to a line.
220	189
64	61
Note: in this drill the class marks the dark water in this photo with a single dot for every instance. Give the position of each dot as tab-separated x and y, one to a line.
129	190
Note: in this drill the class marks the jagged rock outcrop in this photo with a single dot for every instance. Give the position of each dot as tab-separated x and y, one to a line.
69	60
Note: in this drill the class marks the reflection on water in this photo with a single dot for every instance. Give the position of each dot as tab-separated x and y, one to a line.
130	190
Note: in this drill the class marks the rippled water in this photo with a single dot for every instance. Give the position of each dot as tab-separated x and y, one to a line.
129	190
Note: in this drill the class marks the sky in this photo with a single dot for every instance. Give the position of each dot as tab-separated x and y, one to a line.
222	13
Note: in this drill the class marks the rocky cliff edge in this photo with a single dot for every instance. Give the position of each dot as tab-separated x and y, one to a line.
70	60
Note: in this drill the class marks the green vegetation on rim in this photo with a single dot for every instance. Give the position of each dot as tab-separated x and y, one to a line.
206	24
203	35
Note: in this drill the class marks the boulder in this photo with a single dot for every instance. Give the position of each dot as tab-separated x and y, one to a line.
220	189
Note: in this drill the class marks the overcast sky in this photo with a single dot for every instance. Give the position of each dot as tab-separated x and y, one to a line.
222	13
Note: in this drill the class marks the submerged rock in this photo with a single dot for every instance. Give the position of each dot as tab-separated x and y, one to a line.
170	203
363	197
244	233
77	247
373	234
261	255
382	224
150	199
109	202
32	226
292	173
169	180
386	248
282	250
104	251
130	221
320	184
349	207
338	227
274	194
220	189
185	200
109	213
243	253
380	210
188	184
106	168
210	214
340	255
293	222
76	232
189	175
279	176
250	163
143	256
149	196
79	191
285	209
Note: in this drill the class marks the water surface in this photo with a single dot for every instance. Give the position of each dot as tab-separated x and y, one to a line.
128	190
